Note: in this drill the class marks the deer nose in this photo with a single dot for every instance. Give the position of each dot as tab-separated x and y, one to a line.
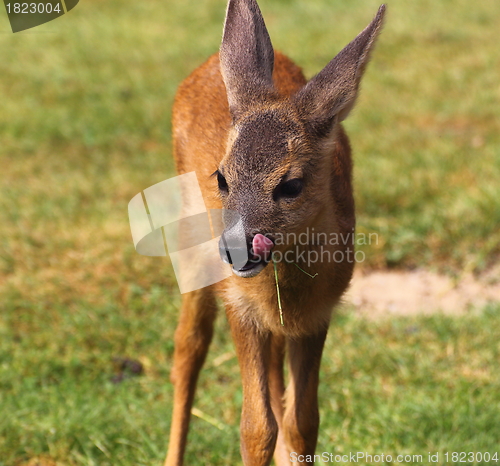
237	253
233	249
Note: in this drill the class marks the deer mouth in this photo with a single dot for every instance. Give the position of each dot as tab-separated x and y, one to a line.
258	255
252	268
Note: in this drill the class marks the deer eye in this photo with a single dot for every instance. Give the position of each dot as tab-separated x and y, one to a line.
222	182
290	189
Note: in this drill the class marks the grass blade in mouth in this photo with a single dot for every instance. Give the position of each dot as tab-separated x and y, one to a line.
278	292
278	286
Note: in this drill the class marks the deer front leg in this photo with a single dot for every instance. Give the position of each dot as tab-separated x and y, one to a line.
301	419
258	427
277	392
192	338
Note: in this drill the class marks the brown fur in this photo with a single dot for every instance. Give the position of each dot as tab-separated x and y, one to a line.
270	130
195	133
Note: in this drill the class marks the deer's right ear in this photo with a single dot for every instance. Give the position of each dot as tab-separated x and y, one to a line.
330	95
246	56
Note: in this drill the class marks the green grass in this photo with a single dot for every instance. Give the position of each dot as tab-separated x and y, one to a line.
85	119
85	125
399	386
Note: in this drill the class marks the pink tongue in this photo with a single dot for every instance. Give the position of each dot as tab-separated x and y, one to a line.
261	245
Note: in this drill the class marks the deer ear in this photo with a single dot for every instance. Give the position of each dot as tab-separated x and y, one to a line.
246	56
330	95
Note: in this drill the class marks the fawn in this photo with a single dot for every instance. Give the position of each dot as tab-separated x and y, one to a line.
269	145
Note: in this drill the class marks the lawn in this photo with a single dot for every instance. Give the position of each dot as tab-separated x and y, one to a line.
85	125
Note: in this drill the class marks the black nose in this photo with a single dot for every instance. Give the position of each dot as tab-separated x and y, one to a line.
233	251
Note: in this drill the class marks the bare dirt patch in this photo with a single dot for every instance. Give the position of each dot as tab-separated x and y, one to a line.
386	293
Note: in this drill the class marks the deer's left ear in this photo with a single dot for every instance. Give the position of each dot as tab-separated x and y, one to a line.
246	56
330	95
